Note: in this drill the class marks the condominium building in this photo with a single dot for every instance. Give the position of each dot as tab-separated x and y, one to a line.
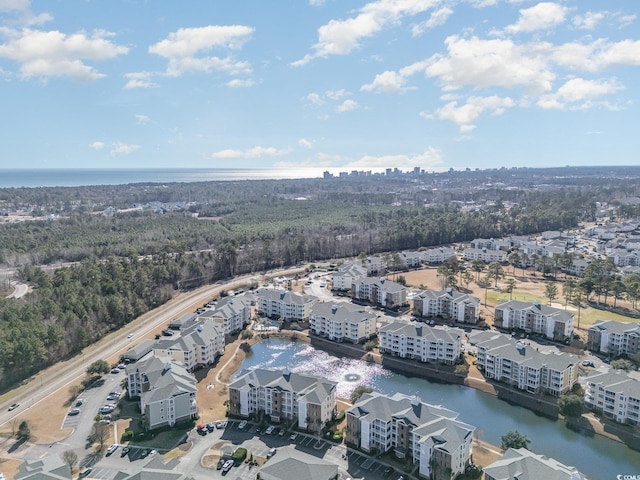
347	274
449	304
231	314
436	256
614	338
284	304
380	291
521	464
421	342
615	394
504	359
487	256
553	323
430	436
343	322
307	400
167	391
198	345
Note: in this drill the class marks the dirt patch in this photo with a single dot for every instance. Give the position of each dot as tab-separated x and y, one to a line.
484	453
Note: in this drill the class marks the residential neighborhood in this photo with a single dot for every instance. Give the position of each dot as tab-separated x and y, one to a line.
427	326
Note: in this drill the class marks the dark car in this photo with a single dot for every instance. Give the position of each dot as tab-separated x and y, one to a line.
220	464
144	453
211	426
124	451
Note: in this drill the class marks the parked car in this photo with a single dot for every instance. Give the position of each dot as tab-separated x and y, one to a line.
269	430
115	370
124	451
211	426
74	411
242	425
219	425
271	452
84	472
144	453
14	406
227	465
220	464
293	436
112	449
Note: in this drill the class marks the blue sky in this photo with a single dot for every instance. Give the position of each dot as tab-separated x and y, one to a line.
336	84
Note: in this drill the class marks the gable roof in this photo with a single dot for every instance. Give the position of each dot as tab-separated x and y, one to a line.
290	463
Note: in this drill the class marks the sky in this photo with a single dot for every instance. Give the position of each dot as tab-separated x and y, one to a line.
335	84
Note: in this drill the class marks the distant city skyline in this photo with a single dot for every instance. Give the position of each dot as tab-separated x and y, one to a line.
322	84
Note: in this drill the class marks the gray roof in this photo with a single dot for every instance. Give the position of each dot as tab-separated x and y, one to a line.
343	312
516	351
138	351
413	329
166	378
376	406
616	327
616	381
156	468
383	283
445	434
49	467
314	389
284	296
196	335
450	294
290	463
183	320
351	269
522	464
557	313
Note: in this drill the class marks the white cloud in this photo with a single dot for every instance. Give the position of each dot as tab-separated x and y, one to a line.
138	80
465	116
589	20
597	55
437	18
315	99
118	149
303	142
141	119
184	47
237	83
335	94
387	82
254	152
492	63
347	106
430	157
542	16
625	20
97	145
580	93
316	3
55	54
9	5
341	37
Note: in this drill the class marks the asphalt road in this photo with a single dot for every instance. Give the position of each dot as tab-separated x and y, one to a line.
62	375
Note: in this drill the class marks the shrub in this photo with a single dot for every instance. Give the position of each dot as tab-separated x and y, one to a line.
127	435
239	455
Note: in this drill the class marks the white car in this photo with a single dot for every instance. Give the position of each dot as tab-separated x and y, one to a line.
112	449
242	425
270	430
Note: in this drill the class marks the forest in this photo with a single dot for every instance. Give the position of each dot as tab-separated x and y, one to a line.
129	262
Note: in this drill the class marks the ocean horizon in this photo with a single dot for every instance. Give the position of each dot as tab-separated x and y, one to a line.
77	177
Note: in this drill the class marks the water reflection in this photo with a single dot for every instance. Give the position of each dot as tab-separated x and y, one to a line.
597	457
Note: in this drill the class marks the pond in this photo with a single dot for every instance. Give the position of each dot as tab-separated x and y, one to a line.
597	457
